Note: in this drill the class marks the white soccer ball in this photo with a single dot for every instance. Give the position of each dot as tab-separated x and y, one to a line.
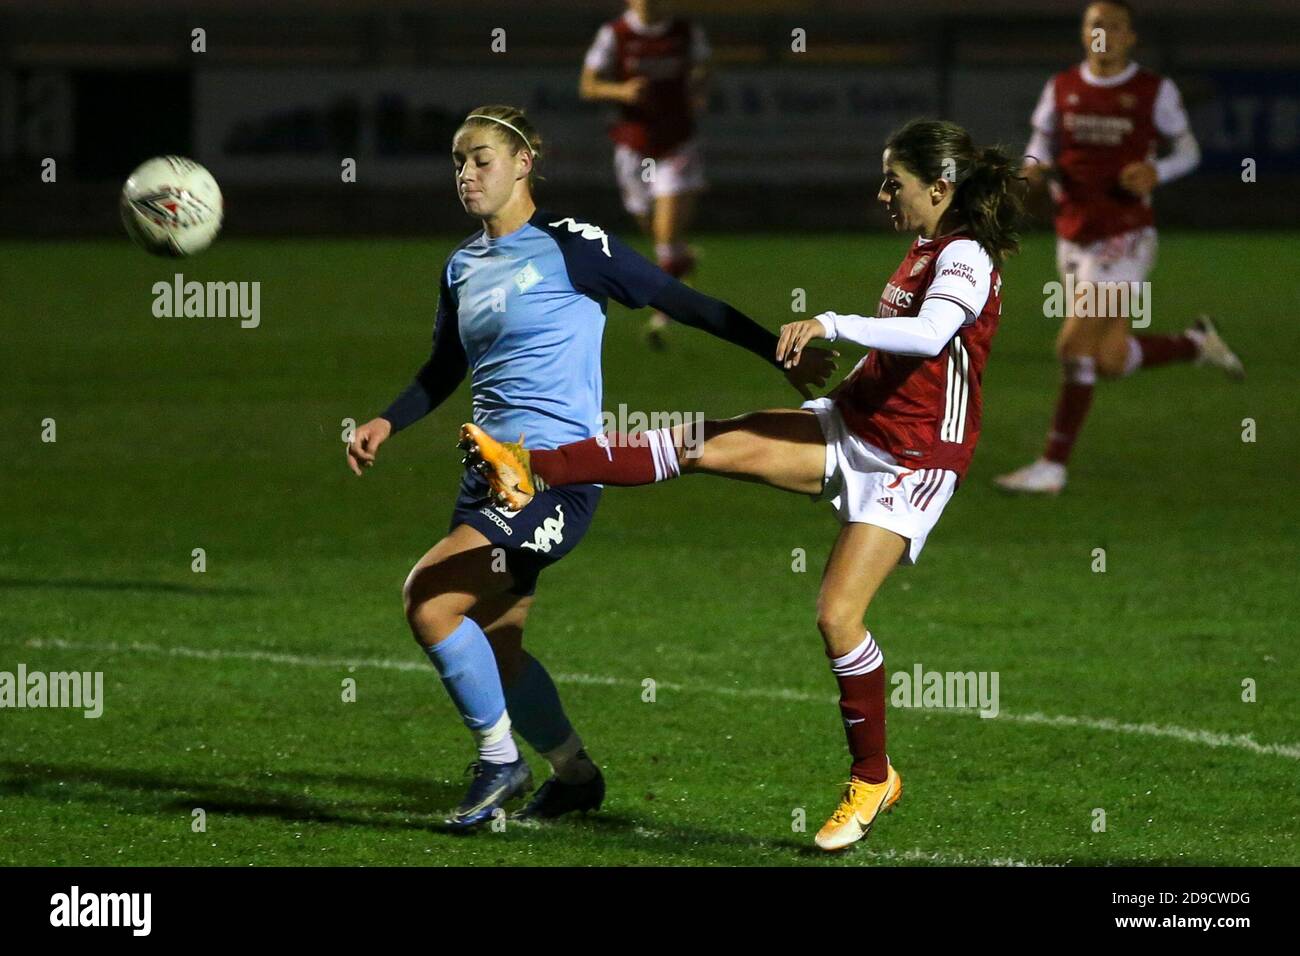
172	206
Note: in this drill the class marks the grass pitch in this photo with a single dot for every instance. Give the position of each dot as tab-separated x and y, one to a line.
1119	691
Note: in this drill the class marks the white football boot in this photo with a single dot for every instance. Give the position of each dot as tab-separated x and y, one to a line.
1041	477
1212	350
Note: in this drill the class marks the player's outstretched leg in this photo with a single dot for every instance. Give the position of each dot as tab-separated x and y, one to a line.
1117	354
862	558
783	448
1123	353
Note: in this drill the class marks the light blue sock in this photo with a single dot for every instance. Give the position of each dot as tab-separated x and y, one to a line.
535	708
469	672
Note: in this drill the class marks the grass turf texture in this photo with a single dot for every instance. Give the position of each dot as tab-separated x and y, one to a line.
176	434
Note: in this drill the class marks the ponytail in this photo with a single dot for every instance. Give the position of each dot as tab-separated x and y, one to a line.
992	200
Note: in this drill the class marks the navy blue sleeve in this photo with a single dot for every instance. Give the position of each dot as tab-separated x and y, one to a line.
440	375
683	304
602	266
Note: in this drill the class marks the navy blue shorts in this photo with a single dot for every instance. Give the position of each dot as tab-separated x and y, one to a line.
535	538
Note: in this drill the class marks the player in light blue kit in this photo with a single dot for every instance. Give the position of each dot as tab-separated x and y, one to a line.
521	308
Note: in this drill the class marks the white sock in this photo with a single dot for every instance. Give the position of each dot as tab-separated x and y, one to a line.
863	659
661	445
570	762
1132	358
497	744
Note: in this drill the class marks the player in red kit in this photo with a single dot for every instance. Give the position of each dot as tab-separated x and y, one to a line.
887	447
654	68
1095	133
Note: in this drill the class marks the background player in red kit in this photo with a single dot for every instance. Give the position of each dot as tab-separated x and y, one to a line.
654	67
888	446
1095	133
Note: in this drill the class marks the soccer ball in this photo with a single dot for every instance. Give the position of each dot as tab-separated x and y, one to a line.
172	206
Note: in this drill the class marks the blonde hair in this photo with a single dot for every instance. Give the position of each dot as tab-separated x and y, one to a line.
510	123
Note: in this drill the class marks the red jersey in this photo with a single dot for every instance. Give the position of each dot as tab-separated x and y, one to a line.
1100	128
664	53
926	411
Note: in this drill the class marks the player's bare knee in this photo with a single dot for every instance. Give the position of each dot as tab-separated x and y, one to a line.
1072	348
840	624
696	449
430	614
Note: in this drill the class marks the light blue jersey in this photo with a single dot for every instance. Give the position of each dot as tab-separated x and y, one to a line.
529	311
524	315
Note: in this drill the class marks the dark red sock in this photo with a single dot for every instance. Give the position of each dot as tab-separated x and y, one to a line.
1161	349
1071	409
639	459
862	705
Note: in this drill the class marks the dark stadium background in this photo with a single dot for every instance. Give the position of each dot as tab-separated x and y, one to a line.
100	85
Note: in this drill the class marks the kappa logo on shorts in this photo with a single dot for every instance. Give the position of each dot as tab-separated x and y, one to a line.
551	532
887	502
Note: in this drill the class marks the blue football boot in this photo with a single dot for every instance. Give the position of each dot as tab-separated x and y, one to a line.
493	785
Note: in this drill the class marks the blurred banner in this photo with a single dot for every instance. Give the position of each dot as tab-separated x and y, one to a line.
1244	114
762	126
784	146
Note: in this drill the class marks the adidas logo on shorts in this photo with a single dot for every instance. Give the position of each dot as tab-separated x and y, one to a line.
887	501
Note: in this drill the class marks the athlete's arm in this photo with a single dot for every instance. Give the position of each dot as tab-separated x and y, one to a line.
603	267
437	378
627	92
963	275
683	304
1184	156
1040	151
925	334
599	63
1185	153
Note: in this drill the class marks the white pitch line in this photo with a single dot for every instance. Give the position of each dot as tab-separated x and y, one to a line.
1208	738
269	657
939	858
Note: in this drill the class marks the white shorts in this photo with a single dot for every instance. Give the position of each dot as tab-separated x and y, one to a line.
1127	257
681	171
867	485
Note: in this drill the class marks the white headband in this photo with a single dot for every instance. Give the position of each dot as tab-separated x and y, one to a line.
503	123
